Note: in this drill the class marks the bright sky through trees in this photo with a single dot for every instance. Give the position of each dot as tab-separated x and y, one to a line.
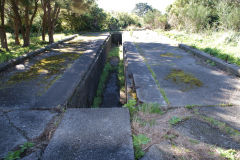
128	5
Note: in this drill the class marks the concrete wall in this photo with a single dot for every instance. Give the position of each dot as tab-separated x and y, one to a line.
86	90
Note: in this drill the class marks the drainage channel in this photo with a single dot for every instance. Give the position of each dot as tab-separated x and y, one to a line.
110	92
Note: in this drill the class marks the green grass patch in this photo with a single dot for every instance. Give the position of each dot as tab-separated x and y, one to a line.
101	85
138	141
108	68
150	108
17	154
229	154
16	51
224	45
175	120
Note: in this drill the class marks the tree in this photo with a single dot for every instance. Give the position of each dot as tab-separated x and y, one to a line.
142	8
24	12
3	35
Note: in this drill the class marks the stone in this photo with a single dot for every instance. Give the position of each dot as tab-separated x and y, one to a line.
228	115
33	156
10	138
89	134
160	151
204	132
31	122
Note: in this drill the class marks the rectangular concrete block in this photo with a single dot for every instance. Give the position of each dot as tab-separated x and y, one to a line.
92	134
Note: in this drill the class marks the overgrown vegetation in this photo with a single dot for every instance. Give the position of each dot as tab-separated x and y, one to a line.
175	120
17	154
108	68
138	141
224	45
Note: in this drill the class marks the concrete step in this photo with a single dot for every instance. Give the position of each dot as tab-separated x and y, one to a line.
90	134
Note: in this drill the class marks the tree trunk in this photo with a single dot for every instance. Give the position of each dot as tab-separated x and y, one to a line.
16	32
3	35
50	34
52	18
44	19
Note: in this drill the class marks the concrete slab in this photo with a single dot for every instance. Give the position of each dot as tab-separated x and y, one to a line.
164	57
33	156
229	115
145	86
31	122
9	137
160	151
91	134
24	85
202	131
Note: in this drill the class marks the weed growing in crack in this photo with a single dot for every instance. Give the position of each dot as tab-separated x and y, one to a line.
175	120
138	141
131	105
150	108
17	154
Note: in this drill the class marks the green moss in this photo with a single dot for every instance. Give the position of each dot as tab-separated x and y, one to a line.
180	77
171	55
48	66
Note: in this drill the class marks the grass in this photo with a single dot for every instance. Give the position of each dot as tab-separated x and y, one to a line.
108	68
229	154
101	85
224	45
36	43
175	120
17	154
138	141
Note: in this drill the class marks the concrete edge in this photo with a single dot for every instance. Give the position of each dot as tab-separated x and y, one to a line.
65	102
20	59
230	68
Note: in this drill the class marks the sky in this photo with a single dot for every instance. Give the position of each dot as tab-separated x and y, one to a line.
128	5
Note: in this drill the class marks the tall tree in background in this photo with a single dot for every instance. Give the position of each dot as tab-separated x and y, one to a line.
3	35
24	11
52	9
142	8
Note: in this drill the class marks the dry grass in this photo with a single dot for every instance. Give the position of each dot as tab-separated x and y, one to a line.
169	140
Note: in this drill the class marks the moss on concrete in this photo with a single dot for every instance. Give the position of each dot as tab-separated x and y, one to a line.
180	77
171	55
48	66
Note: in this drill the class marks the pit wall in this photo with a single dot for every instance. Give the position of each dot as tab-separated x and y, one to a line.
85	92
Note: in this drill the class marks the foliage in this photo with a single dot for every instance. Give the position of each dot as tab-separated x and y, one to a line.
150	108
16	51
114	52
131	105
224	45
101	85
198	15
175	120
141	9
229	154
138	141
16	154
154	19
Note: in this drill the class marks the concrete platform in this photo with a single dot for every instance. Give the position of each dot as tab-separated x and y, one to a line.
90	134
212	86
50	79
